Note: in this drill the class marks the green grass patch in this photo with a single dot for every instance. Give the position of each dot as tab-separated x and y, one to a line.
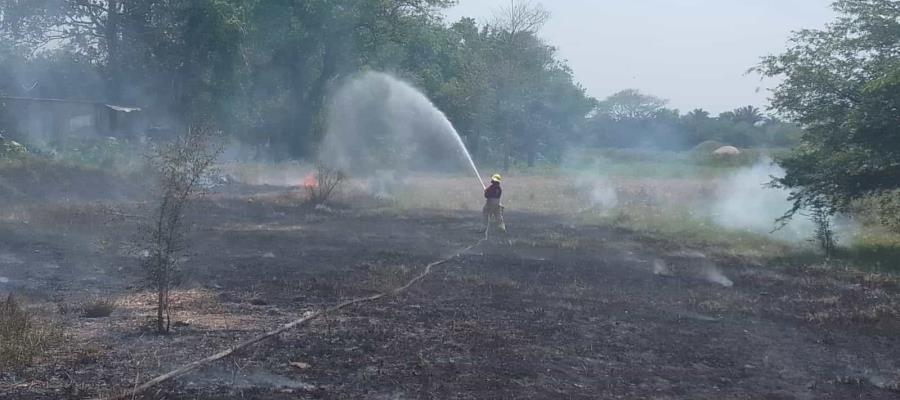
686	228
872	250
638	163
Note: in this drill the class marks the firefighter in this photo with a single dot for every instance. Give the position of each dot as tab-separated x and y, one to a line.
493	210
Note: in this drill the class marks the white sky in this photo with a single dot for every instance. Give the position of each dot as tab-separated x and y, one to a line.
692	52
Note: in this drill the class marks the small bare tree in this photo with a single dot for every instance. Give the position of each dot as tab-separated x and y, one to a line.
824	230
181	165
520	16
322	187
821	215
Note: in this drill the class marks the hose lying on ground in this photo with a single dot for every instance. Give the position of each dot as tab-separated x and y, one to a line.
184	369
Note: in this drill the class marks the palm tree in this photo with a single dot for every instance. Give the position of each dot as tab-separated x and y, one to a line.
697	114
748	114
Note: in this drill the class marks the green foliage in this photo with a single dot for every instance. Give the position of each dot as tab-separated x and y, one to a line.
631	104
178	58
264	69
748	115
99	152
298	50
843	84
180	166
10	149
646	163
632	119
824	235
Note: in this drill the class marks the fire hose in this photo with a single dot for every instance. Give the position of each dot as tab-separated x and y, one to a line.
189	367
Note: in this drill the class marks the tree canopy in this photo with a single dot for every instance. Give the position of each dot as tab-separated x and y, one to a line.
633	119
264	69
842	83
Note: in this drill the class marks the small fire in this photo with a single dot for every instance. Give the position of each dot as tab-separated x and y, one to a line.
310	182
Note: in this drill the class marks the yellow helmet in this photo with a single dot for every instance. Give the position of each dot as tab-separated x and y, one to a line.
496	178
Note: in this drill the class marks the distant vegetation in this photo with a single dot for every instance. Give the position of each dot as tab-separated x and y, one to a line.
263	70
632	119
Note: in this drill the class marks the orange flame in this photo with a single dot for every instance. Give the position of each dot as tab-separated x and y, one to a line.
310	181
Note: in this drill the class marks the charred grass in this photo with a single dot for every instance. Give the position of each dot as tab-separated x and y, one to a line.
38	179
568	298
25	335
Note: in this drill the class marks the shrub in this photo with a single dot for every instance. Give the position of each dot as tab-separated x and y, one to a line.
180	166
12	150
98	307
326	180
23	337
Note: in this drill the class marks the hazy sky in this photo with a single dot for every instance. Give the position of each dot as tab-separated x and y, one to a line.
693	52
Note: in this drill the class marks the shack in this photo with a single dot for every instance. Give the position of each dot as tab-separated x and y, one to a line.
61	118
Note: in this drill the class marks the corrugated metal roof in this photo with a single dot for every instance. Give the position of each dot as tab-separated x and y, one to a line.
113	107
123	109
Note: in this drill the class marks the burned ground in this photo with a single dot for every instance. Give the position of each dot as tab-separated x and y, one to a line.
557	309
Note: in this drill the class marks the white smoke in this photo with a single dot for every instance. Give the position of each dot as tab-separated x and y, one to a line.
714	274
600	191
591	180
744	201
381	127
661	268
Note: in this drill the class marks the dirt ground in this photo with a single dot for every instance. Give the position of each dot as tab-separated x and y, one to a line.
556	309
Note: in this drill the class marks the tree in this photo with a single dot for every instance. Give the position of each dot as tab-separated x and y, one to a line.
175	57
749	115
630	118
518	56
264	69
297	50
841	83
631	104
468	95
181	166
519	20
697	115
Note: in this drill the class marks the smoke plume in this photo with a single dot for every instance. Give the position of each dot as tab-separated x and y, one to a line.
744	201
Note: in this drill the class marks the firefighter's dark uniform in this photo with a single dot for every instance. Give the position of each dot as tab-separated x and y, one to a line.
493	210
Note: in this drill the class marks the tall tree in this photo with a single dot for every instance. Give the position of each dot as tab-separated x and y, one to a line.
518	54
631	104
747	114
842	83
301	48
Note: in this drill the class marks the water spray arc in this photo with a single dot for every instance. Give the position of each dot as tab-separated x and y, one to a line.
378	123
468	156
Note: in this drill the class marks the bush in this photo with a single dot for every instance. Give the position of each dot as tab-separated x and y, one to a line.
98	307
23	337
323	185
12	150
99	152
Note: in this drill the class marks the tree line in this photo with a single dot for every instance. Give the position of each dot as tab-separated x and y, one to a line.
262	70
630	119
